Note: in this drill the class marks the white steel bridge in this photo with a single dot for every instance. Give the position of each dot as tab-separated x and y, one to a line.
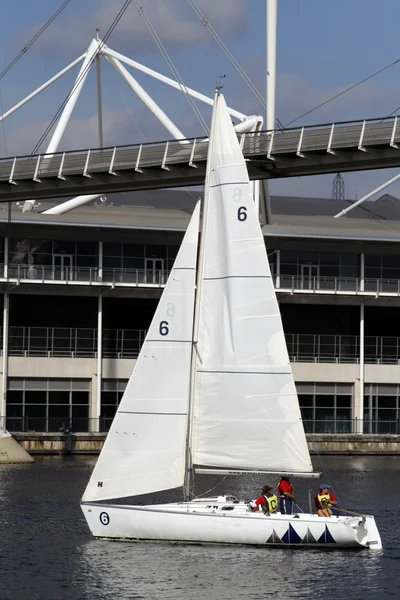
309	150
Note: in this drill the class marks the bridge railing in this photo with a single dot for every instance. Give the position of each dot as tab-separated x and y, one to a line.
322	137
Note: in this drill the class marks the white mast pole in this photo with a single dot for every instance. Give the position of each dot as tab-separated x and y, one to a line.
41	88
196	318
271	34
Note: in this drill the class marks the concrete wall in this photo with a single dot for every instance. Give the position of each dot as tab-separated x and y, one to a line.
91	443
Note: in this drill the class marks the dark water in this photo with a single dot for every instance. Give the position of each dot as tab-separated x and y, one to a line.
47	553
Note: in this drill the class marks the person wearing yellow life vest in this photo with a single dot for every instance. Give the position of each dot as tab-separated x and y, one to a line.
324	500
267	502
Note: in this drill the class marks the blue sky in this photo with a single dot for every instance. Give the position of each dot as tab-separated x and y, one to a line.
323	47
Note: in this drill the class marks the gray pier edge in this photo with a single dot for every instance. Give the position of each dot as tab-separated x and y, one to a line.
91	443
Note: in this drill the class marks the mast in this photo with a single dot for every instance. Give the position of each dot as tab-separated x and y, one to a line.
188	483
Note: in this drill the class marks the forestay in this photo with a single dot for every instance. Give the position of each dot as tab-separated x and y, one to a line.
245	410
145	448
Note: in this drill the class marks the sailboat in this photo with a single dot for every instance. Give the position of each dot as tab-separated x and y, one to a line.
212	390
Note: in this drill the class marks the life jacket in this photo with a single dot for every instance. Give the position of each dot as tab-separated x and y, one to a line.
324	500
272	502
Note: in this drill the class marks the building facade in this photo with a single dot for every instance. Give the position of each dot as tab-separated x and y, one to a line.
78	292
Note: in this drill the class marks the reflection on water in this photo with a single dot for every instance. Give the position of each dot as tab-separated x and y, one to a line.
48	553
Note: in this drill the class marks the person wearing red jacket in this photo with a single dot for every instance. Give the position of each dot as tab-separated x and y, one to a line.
267	502
286	496
324	500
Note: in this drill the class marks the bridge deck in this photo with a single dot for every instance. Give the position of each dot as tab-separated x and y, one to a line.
311	150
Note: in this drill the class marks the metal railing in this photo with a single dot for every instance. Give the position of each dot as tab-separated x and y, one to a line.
42	274
348	426
320	348
26	424
323	348
298	140
65	342
338	284
159	277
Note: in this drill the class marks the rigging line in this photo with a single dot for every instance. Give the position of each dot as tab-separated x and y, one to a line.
172	67
231	58
83	74
344	92
4	125
33	40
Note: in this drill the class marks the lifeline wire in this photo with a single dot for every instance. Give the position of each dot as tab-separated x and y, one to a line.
83	74
33	40
171	65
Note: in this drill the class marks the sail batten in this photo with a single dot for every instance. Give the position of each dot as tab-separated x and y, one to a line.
245	408
145	448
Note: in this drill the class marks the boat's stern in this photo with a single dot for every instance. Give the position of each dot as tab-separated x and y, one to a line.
366	532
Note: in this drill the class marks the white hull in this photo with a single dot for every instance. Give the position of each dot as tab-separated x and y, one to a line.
211	522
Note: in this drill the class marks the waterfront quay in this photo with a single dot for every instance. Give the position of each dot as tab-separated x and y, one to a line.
327	444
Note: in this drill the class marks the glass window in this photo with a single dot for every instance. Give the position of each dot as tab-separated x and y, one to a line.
46	404
306	400
64	247
35	397
156	252
59	397
15	397
133	250
325	401
80	398
326	408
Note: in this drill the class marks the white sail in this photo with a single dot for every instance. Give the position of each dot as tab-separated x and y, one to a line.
245	408
145	448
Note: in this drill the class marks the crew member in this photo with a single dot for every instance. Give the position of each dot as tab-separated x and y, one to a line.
286	496
267	502
324	500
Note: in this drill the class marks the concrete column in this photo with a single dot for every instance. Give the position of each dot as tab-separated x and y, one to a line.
97	410
100	267
362	272
278	269
6	252
5	358
358	412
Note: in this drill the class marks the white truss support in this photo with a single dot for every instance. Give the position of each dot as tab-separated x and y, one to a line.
65	207
132	63
393	137
251	124
73	98
68	108
147	100
41	88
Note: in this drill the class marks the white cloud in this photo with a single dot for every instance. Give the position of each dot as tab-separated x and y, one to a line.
175	23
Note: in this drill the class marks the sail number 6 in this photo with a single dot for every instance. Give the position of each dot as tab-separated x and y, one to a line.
242	213
164	329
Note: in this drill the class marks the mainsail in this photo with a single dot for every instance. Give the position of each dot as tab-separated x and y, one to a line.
245	408
145	448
